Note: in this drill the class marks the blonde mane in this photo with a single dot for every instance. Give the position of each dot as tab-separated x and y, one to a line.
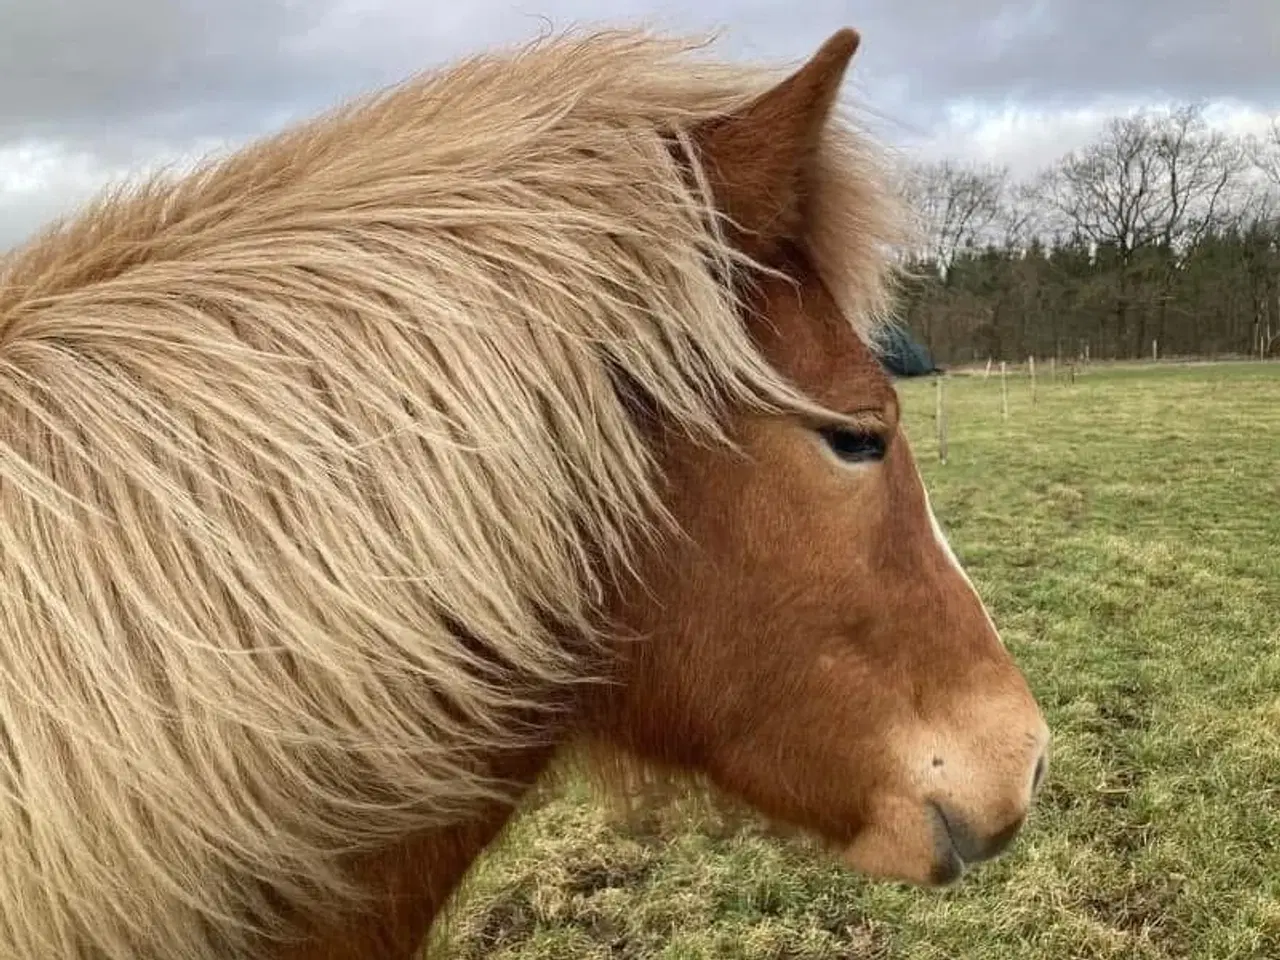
313	465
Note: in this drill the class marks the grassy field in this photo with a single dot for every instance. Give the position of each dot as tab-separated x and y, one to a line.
1126	533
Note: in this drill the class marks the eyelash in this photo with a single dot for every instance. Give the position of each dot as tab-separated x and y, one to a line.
854	446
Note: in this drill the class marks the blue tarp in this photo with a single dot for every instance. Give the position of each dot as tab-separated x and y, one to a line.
902	355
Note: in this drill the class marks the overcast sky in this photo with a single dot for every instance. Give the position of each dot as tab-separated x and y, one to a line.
93	90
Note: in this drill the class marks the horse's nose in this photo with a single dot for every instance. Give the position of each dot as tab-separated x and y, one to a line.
970	830
1041	771
956	838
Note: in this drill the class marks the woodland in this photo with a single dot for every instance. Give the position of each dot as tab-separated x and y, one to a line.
1160	237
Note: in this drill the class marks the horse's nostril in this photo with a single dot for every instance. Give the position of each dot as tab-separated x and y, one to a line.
1042	768
970	846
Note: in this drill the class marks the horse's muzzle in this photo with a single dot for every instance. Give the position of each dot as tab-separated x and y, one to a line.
957	845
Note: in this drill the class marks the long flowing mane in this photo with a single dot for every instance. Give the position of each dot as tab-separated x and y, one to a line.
313	464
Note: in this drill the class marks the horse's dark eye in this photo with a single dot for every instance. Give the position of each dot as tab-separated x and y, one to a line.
854	446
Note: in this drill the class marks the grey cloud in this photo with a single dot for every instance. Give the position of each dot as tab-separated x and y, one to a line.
1065	53
218	67
117	80
79	68
168	69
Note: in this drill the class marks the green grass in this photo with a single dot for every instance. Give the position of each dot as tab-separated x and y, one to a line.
1125	532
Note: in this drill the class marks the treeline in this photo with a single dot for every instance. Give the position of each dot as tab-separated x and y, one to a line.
1161	234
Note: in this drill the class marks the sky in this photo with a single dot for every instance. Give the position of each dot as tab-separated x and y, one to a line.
93	91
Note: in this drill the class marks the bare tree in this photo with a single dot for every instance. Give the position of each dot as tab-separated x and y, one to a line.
1152	184
1149	180
1264	152
1022	217
1198	166
958	206
1105	192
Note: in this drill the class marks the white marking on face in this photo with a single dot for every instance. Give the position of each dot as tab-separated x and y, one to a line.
940	536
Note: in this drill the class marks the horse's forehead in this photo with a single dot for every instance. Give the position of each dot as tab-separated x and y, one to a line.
813	344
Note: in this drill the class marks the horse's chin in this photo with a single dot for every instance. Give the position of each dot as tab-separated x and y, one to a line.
934	873
906	844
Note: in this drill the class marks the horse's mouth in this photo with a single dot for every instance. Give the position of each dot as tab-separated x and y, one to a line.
948	866
957	847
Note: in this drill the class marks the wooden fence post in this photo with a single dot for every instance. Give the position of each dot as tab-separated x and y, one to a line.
940	414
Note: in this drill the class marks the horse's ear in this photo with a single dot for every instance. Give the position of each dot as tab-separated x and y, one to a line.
758	160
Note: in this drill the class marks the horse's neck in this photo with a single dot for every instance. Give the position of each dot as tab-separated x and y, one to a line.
409	884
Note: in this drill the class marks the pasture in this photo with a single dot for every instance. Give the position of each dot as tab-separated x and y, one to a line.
1125	532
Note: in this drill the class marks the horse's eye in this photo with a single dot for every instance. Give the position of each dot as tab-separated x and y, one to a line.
854	446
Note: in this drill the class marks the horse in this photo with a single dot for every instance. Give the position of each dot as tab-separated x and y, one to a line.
352	478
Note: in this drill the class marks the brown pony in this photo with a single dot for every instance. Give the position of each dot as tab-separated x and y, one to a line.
347	482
